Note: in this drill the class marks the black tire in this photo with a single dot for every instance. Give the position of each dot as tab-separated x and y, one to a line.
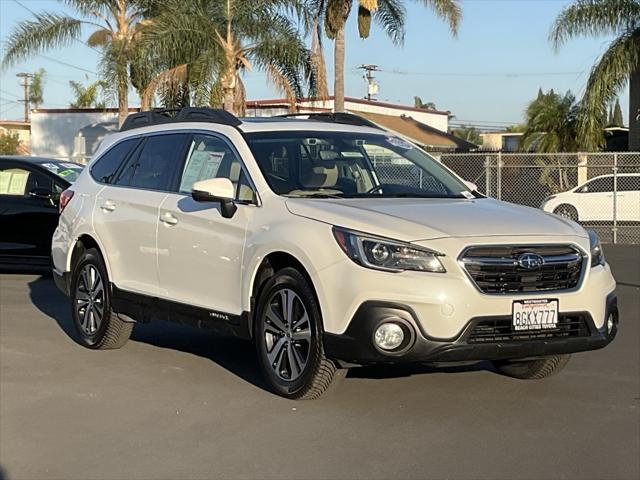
318	373
567	211
110	332
532	369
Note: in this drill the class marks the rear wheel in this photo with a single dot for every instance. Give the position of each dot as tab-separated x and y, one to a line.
566	211
288	337
532	369
96	325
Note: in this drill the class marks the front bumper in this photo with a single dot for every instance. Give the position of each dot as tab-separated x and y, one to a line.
356	346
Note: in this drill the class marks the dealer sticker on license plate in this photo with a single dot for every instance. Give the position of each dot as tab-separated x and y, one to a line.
539	314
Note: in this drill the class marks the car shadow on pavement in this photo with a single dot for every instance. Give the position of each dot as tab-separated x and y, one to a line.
233	354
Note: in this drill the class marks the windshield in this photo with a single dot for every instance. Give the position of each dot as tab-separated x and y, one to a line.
66	170
349	165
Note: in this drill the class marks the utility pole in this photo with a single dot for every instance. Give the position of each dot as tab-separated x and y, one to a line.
26	84
372	85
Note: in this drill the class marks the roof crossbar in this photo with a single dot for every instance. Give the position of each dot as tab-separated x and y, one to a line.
335	117
175	115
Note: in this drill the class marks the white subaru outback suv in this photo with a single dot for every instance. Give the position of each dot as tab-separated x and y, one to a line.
328	242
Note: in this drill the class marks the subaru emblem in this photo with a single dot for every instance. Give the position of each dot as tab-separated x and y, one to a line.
530	261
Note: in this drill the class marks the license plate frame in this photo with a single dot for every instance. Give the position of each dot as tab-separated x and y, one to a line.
535	315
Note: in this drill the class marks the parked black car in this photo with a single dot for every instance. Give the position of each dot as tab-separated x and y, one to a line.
30	189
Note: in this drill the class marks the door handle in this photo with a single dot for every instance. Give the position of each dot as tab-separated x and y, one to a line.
168	219
108	206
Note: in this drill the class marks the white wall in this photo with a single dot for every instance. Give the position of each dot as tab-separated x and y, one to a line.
52	134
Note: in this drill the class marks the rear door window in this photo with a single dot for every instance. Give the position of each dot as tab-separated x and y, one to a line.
105	168
18	182
155	166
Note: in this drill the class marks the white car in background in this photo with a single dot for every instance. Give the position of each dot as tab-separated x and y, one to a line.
594	200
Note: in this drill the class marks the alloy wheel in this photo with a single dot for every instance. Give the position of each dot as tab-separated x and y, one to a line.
89	299
286	330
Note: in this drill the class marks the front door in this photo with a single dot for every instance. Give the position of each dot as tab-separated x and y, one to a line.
200	251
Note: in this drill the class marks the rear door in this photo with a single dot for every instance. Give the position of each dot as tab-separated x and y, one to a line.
126	210
28	211
200	251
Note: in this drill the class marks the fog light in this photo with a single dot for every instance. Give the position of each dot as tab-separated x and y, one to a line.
610	324
389	336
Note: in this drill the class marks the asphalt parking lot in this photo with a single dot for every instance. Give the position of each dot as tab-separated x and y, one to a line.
179	403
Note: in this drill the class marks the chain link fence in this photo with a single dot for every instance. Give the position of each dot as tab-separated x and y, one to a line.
599	190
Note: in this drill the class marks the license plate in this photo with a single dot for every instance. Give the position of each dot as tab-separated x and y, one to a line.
534	315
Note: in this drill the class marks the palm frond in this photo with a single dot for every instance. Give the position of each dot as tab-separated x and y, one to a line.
606	79
99	38
282	85
48	30
167	79
390	16
447	10
595	18
364	22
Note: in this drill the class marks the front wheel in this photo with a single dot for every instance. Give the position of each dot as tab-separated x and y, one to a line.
532	369
288	338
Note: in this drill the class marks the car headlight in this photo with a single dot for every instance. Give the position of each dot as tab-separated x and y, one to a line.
385	254
597	255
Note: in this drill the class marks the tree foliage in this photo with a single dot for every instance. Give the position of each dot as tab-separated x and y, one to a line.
468	133
418	103
36	91
209	44
116	26
551	124
87	96
9	143
621	19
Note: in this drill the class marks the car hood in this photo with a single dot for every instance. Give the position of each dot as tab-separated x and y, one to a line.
413	219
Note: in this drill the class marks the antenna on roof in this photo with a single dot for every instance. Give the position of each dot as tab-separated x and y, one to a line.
372	85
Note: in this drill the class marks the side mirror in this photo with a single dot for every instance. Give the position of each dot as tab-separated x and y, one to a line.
41	194
216	190
471	186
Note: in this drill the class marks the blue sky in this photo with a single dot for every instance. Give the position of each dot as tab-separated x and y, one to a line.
486	76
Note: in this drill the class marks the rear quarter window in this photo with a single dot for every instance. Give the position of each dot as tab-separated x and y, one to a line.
105	168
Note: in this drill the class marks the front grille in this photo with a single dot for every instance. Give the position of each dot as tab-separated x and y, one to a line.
493	330
496	269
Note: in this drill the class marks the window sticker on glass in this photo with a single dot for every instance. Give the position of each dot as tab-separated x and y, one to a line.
18	182
51	166
202	165
399	142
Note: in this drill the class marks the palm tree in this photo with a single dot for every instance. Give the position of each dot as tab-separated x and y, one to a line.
88	96
208	44
388	14
116	23
551	127
619	64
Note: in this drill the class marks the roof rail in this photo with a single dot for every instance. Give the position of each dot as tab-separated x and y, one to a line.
175	115
335	117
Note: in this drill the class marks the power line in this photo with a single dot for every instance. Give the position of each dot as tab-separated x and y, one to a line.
9	93
68	64
476	74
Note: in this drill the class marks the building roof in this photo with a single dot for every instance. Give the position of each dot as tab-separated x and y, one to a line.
14	124
283	102
420	133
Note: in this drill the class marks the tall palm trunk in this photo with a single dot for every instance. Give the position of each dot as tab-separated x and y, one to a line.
338	68
634	111
228	82
123	98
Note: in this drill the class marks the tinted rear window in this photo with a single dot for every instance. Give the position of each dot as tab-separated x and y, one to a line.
105	168
155	167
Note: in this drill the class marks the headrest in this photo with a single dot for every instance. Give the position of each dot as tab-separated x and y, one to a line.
320	177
